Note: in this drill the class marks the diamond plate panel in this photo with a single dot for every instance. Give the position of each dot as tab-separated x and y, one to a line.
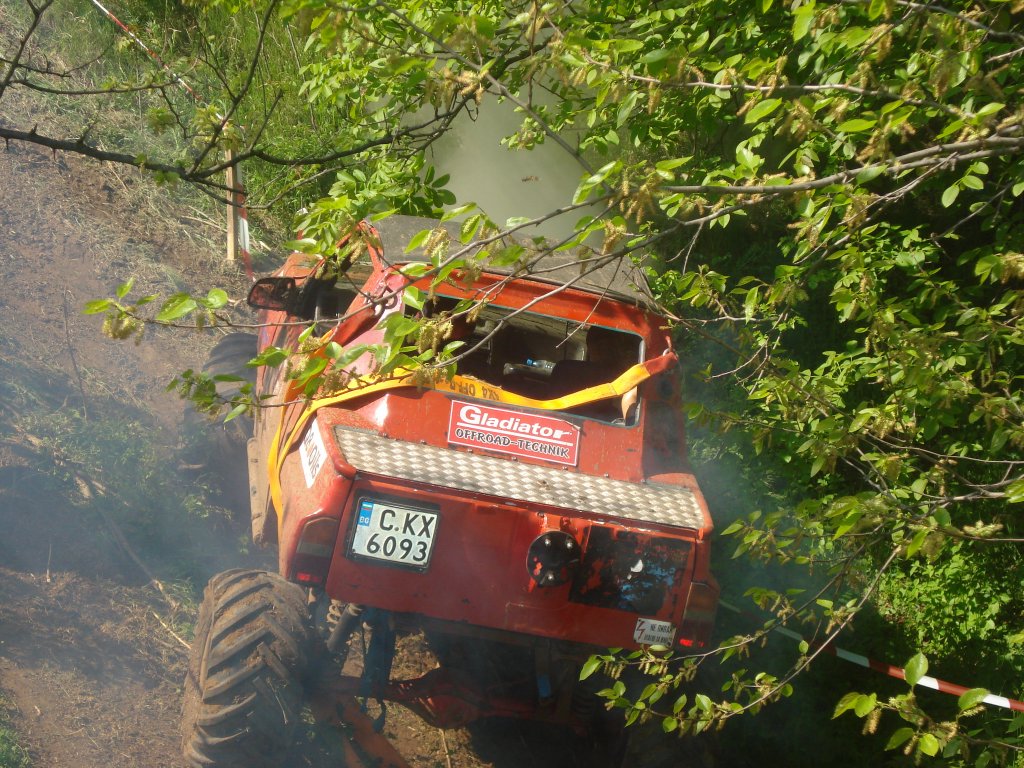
460	470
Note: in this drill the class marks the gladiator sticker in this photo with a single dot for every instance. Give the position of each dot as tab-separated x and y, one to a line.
652	632
530	435
312	452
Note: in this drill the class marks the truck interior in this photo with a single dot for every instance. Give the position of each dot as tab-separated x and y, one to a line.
541	356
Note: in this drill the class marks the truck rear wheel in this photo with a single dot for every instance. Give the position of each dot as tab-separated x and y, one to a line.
214	449
244	686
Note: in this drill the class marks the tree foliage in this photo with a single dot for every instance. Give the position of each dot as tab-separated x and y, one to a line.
833	190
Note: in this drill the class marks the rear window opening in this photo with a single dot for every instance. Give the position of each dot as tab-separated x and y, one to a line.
544	357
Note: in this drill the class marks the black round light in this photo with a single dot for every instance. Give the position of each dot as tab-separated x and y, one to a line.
552	558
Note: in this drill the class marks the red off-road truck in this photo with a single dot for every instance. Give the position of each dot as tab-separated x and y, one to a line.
535	507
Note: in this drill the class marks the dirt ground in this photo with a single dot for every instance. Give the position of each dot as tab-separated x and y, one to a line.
93	618
90	662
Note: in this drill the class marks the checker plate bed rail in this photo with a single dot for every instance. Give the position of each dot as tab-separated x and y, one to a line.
374	454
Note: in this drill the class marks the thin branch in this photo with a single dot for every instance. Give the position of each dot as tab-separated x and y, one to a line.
939	154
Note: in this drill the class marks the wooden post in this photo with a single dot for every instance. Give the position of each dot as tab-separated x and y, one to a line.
232	185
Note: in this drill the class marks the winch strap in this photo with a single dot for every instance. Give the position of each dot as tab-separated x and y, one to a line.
365	385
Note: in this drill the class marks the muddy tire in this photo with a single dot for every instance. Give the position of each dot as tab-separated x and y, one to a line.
244	687
229	357
214	451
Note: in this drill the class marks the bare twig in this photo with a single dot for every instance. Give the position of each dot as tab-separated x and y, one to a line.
171	632
447	754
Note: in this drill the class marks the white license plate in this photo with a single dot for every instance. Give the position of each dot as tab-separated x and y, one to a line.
394	533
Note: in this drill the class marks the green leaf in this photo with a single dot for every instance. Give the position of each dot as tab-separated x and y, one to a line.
856	125
216	298
418	239
1015	492
272	356
916	668
176	307
972	182
899	737
848	702
590	667
238	410
989	109
865	705
626	108
870	174
653	57
124	288
971	698
802	18
950	195
677	707
448	216
861	419
917	542
305	245
989	267
928	745
761	110
413	297
96	306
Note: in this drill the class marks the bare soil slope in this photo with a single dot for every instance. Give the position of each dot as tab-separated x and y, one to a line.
89	658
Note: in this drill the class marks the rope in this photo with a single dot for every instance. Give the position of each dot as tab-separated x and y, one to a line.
888	669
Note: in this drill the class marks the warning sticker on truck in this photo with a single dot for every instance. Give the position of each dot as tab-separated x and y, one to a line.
530	435
653	632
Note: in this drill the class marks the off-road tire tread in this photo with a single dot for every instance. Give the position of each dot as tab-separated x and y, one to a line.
244	688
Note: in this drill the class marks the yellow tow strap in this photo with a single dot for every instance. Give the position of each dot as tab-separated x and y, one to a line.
460	385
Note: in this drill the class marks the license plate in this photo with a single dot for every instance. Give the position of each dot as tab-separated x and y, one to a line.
395	534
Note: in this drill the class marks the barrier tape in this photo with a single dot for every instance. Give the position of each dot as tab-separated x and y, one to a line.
888	669
152	54
238	198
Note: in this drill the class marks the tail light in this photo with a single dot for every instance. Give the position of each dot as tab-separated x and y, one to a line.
314	551
699	616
